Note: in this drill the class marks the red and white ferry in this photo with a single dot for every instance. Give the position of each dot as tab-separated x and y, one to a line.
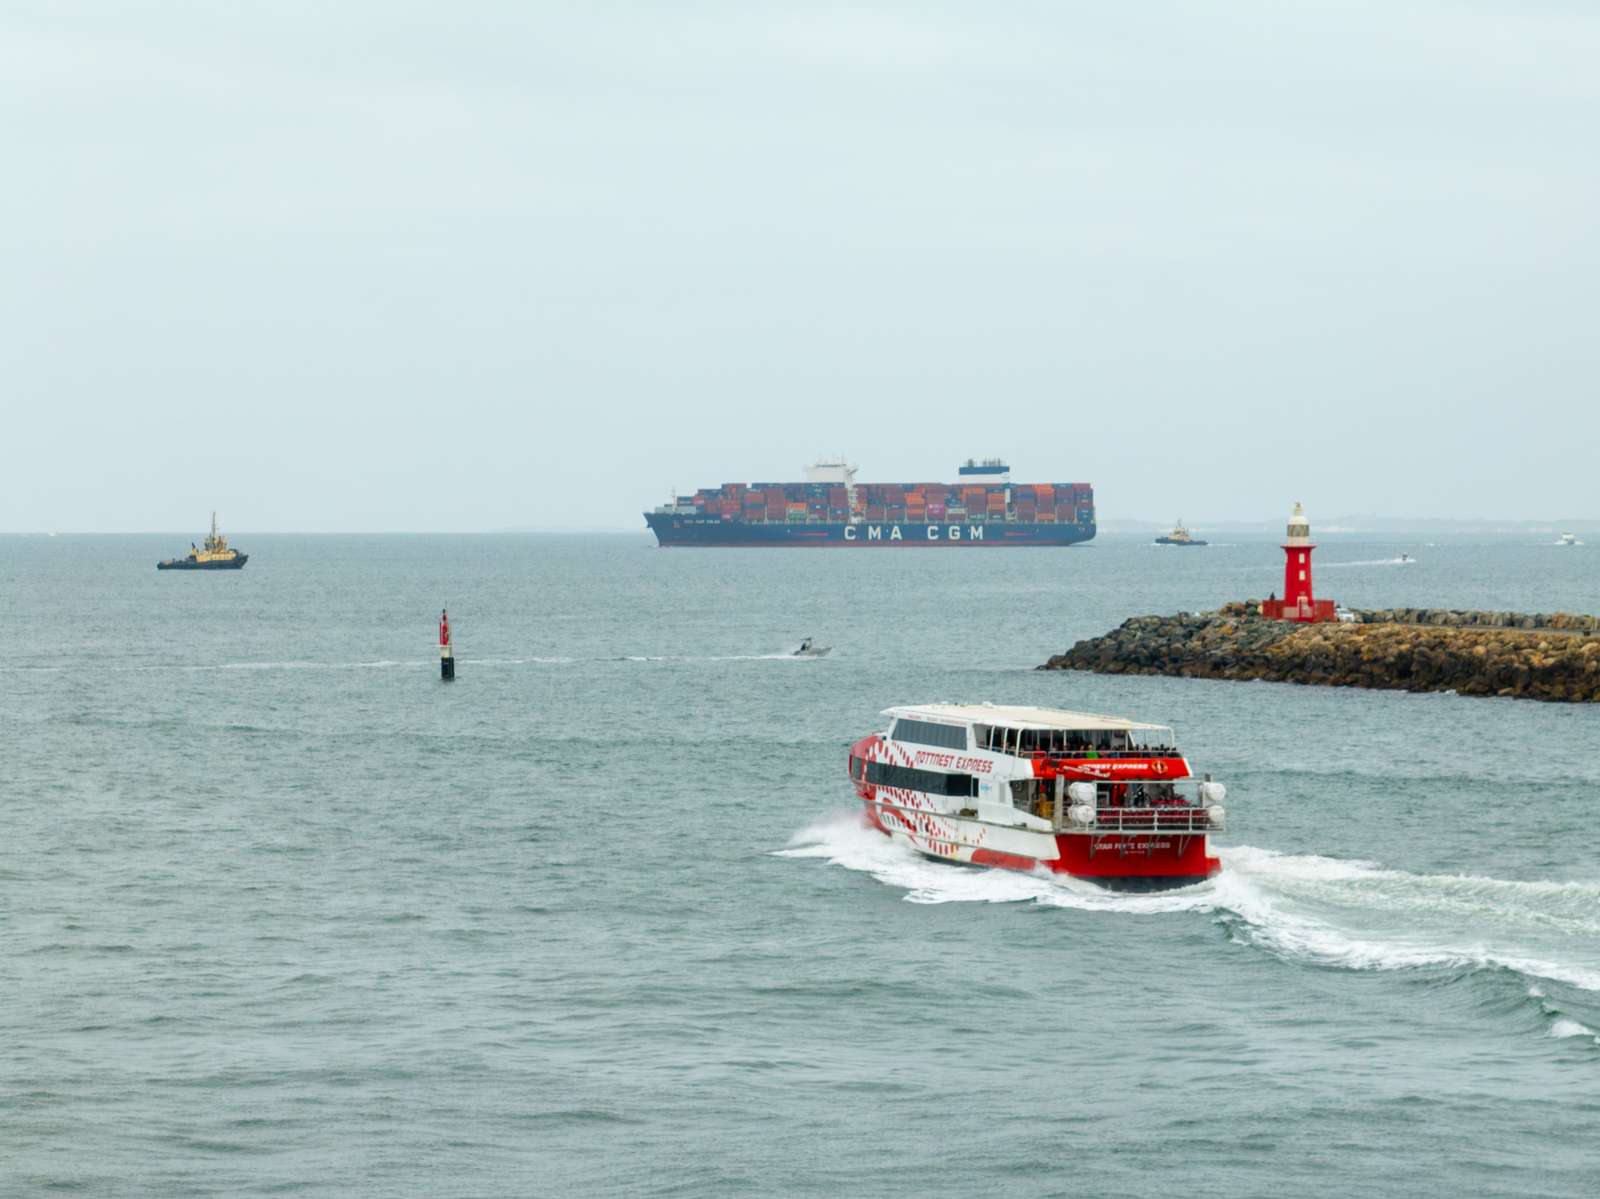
1096	797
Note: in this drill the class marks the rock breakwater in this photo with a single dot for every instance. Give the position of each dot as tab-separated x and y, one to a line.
1471	653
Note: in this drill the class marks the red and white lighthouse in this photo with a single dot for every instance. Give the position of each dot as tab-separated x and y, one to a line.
1298	603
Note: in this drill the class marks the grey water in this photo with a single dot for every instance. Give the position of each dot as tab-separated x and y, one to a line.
281	913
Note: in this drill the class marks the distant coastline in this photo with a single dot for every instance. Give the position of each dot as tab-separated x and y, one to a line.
1375	526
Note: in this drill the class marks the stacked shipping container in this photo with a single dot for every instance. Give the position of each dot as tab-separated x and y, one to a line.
1027	503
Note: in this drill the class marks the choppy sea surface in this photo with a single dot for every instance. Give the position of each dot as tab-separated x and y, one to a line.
281	913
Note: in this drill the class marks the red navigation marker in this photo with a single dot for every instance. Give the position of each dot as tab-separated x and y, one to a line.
447	656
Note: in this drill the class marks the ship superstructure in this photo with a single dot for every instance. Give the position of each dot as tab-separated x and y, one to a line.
830	508
1095	797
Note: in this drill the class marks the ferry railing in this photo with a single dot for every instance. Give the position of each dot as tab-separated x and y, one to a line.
1187	806
1176	819
1082	755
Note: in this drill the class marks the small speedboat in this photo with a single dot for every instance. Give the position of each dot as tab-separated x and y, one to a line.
809	650
1565	539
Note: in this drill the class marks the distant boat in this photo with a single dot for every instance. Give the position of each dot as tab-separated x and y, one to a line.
217	555
1568	539
1179	536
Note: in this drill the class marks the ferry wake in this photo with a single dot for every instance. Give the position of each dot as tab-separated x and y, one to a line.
1100	798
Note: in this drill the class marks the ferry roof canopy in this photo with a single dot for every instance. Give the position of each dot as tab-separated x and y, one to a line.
1018	717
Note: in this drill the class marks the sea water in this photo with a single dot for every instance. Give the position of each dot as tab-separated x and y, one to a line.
281	913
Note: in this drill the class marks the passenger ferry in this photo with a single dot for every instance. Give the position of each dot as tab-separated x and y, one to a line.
1095	797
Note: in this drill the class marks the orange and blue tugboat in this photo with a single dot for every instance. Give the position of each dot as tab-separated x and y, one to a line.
1179	536
217	555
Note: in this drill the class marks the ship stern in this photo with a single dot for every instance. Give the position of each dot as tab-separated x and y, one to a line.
1134	861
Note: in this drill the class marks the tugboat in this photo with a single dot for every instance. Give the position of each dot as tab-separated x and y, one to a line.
217	555
1099	798
1179	536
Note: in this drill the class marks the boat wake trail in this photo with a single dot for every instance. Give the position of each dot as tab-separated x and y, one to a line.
1359	916
1369	562
790	656
847	840
1304	908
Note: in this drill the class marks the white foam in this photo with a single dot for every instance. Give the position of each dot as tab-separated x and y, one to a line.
1347	914
849	841
1360	916
1565	1027
1567	907
378	665
1370	562
788	657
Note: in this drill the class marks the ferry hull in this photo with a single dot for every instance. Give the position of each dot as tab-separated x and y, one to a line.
1116	861
685	530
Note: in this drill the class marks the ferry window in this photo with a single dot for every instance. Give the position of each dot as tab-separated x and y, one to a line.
932	782
924	732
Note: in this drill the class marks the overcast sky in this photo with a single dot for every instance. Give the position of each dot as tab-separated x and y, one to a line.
430	266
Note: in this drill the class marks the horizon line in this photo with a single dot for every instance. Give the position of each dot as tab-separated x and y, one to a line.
1333	524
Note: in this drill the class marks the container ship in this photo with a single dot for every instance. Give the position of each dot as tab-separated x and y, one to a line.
983	507
1099	798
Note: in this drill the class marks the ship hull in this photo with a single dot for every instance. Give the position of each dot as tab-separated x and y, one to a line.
190	564
709	531
1115	861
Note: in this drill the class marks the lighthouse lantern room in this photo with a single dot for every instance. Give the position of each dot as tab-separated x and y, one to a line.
1298	604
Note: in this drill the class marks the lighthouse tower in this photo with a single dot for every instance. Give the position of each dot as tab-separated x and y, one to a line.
1298	603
